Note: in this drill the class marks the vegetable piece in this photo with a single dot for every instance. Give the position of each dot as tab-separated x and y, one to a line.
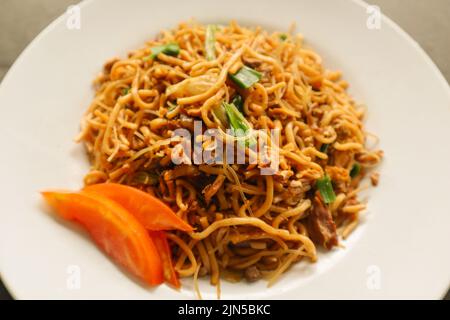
283	37
324	148
221	115
246	77
238	123
356	169
172	106
236	118
114	229
171	49
210	42
125	91
162	245
152	213
191	86
238	102
326	189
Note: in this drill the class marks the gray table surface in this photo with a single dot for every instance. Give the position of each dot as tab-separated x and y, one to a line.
427	21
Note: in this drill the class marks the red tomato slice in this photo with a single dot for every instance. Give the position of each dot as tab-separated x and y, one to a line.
151	212
162	245
114	229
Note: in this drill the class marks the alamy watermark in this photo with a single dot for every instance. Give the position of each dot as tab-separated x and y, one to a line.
73	280
373	21
73	21
215	146
373	281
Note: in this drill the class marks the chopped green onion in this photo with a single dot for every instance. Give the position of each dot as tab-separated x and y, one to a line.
283	37
125	91
210	42
236	118
324	148
238	102
356	169
326	189
143	177
172	106
171	49
221	115
238	123
246	77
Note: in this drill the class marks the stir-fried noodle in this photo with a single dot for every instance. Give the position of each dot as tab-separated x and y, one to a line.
247	225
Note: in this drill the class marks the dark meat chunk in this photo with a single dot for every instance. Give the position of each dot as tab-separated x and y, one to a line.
202	180
252	274
321	226
375	178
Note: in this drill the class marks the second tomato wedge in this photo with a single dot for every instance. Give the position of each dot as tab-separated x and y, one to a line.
154	214
114	229
162	245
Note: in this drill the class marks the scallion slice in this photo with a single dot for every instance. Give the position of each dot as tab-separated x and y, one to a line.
125	91
356	169
326	189
246	77
238	102
172	106
171	49
283	37
221	115
238	123
210	42
324	148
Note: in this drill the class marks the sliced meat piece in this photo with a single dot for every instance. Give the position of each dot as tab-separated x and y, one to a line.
375	178
321	226
252	274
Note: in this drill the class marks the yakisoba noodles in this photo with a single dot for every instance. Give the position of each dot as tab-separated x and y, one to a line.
247	225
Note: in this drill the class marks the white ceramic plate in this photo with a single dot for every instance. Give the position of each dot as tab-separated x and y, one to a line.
401	250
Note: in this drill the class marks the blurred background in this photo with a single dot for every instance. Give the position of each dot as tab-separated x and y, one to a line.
427	21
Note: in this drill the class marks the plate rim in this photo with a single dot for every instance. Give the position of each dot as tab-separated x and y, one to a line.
10	287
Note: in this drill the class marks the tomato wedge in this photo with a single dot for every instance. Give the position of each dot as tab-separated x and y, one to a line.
114	229
154	214
162	245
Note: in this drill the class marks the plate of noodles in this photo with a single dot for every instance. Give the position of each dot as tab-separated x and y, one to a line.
233	150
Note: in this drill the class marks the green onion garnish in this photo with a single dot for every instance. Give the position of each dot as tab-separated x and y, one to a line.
326	189
238	102
210	42
171	49
356	169
283	37
246	77
172	106
238	123
324	148
221	115
125	91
